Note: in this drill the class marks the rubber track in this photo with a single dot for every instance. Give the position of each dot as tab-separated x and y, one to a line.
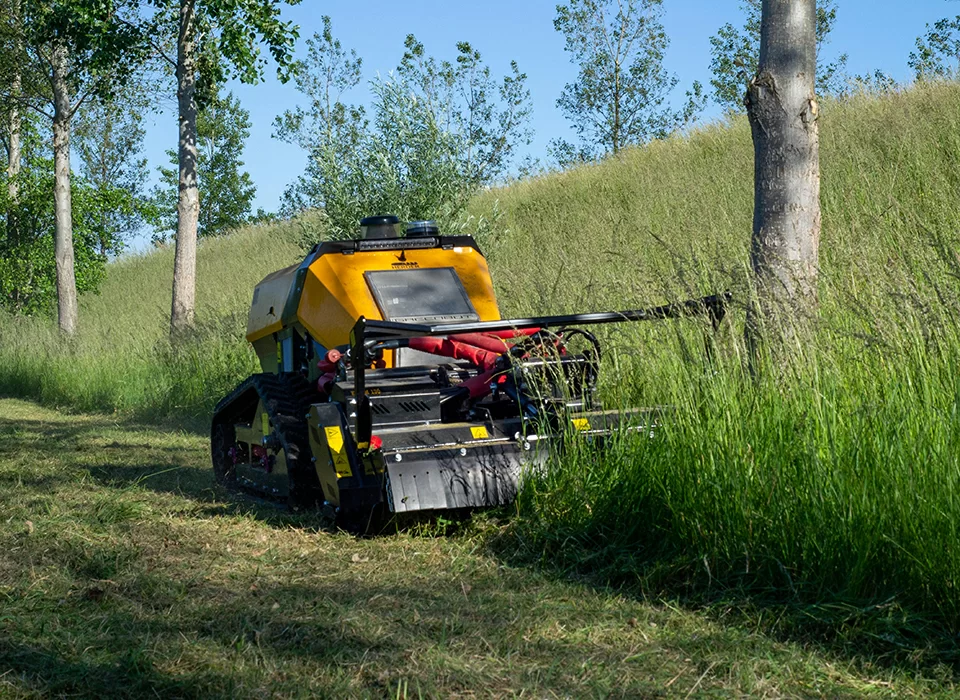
287	399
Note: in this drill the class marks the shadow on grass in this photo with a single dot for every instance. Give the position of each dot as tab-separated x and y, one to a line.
124	455
870	634
126	674
341	638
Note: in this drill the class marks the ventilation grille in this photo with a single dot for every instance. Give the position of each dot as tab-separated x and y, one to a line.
414	406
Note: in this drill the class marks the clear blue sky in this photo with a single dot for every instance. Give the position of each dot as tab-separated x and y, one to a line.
875	34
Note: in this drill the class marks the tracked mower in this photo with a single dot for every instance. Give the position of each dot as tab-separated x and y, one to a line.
391	384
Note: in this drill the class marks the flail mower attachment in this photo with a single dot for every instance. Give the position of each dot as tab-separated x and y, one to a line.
522	389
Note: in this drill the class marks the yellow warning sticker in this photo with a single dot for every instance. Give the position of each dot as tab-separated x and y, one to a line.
265	423
341	463
581	424
334	438
479	432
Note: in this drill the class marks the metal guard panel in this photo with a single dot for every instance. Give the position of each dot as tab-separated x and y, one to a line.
435	480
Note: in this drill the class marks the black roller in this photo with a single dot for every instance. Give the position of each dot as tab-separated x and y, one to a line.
380	226
419	229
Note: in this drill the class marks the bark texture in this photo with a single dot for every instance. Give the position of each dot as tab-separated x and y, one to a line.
783	110
188	203
63	206
13	138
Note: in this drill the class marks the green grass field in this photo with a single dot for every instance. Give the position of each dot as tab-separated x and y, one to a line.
124	572
828	493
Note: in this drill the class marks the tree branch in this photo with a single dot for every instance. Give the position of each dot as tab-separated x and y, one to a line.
161	52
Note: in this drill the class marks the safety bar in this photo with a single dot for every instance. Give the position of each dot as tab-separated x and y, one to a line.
368	333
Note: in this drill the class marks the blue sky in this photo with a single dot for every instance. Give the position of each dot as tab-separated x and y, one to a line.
875	34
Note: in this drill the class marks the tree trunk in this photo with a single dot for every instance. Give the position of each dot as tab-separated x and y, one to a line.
66	279
104	174
616	109
13	127
188	204
782	108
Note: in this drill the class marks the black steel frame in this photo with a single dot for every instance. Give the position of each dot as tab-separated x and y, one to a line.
368	335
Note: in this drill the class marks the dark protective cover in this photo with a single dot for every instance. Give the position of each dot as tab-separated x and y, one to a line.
380	220
422	228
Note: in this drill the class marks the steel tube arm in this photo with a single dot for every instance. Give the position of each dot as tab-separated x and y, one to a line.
713	306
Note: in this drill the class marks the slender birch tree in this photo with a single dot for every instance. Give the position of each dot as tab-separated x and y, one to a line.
79	47
63	110
108	136
226	189
782	108
14	41
215	40
621	94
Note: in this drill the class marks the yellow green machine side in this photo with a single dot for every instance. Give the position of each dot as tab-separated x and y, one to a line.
319	300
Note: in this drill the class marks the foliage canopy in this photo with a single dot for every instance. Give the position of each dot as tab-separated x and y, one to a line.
937	53
620	96
435	132
226	190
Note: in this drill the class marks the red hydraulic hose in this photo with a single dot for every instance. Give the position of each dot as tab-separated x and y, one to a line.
513	333
484	359
329	361
487	342
324	382
329	366
480	385
496	341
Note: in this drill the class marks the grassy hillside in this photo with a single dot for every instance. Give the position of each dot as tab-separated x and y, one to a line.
658	223
675	218
835	481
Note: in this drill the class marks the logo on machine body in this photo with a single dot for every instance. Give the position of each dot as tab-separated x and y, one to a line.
402	262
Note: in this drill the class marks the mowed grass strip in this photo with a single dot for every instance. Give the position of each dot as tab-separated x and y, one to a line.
125	572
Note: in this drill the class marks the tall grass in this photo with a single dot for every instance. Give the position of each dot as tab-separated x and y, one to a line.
837	478
835	482
122	361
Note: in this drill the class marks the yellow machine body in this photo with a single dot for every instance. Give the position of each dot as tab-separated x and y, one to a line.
329	291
